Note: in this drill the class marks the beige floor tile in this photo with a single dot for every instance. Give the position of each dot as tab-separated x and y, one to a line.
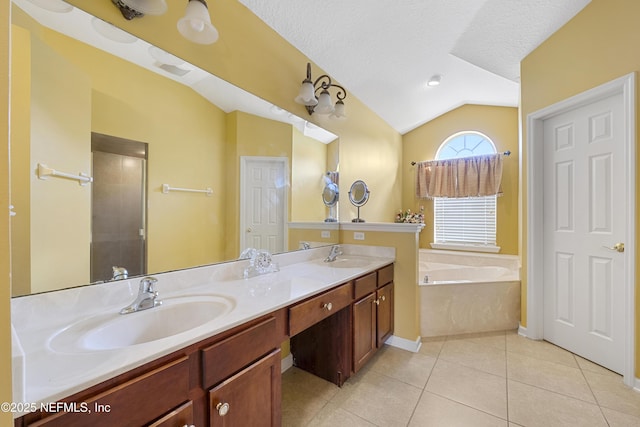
433	410
549	375
611	393
432	346
494	339
531	406
476	354
618	419
540	350
297	380
470	387
405	366
299	408
333	415
377	398
587	365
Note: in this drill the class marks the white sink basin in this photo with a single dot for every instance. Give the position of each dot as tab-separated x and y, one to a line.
346	262
112	330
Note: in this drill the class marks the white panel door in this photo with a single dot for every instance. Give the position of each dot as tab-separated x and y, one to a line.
584	215
264	201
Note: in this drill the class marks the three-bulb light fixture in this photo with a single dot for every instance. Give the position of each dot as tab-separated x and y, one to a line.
322	103
195	25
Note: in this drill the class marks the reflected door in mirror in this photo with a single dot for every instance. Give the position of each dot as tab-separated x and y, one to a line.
263	201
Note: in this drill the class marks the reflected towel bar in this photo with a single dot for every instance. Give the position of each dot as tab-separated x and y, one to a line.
166	188
45	172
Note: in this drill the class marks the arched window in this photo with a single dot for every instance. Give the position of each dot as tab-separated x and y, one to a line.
466	222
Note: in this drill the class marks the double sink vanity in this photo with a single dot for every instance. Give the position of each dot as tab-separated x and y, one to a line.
210	353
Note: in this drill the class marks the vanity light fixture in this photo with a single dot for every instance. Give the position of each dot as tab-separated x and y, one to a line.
322	103
137	8
195	25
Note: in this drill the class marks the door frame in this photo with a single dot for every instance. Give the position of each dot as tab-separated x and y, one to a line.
535	200
284	163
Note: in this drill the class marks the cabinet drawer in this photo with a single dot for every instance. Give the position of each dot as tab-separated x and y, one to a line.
133	403
306	313
364	285
385	275
180	416
230	355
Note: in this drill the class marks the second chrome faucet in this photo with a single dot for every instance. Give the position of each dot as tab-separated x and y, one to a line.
147	297
333	253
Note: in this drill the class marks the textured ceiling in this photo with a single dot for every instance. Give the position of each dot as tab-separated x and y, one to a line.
384	51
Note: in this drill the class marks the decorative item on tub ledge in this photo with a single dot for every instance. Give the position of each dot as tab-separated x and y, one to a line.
411	217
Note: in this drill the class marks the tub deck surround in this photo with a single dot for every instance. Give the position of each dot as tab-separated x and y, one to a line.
468	292
51	375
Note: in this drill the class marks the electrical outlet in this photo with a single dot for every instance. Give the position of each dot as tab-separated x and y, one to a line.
358	235
325	234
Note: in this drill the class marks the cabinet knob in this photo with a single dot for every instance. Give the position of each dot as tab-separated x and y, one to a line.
222	408
377	301
328	306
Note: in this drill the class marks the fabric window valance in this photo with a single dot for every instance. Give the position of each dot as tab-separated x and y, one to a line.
475	176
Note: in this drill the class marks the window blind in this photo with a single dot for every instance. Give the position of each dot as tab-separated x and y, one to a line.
469	220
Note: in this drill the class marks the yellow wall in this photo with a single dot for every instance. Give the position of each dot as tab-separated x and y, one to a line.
20	160
406	297
297	235
307	178
5	282
183	229
596	46
500	124
60	209
252	56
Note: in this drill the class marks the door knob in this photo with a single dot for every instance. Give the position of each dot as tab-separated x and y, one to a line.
249	230
618	247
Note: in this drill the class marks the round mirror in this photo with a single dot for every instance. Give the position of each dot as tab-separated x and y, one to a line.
330	199
358	195
330	194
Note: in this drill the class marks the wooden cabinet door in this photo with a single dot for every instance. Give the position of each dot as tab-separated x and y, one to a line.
364	330
384	308
251	397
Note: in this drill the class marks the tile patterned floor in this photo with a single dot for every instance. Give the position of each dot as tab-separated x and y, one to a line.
491	379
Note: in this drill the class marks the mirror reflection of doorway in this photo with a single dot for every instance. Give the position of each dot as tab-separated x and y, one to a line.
118	206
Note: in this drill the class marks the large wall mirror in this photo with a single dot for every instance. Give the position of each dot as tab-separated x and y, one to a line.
89	98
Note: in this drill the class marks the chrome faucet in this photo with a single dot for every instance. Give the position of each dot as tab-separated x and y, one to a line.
147	297
305	245
333	253
119	273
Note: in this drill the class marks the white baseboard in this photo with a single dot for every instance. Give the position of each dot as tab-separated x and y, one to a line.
522	331
405	344
286	363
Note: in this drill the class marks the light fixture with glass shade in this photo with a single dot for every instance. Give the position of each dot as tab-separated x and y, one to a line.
322	104
195	25
136	8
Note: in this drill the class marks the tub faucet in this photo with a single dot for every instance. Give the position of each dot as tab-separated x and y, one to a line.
147	297
305	245
333	253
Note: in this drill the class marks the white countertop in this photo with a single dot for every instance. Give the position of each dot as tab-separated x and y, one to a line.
52	375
